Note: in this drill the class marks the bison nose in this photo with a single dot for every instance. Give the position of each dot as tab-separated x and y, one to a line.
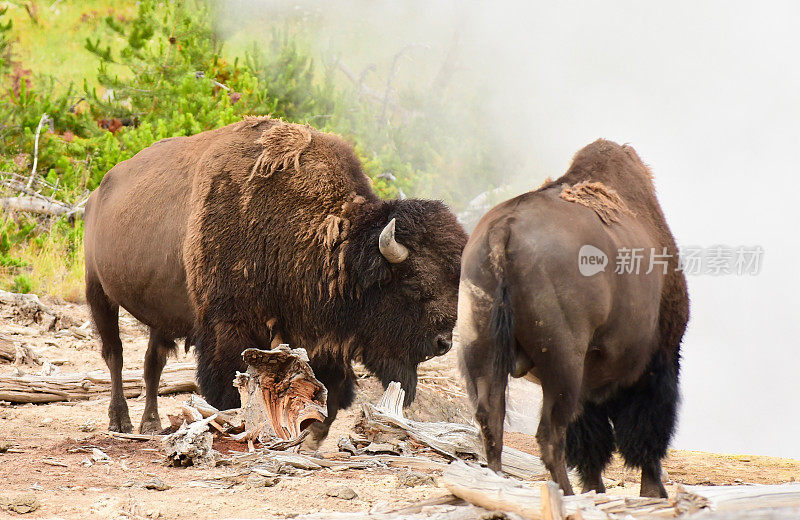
443	345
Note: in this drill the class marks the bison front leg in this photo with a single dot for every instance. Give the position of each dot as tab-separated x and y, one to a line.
341	391
154	360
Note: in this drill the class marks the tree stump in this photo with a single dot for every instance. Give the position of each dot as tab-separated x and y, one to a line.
280	395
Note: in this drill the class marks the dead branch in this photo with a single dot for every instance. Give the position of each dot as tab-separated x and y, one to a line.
176	378
44	119
34	205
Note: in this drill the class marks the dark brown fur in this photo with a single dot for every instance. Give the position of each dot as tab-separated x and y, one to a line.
605	348
272	235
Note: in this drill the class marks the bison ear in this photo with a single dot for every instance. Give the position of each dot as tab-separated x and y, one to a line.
283	143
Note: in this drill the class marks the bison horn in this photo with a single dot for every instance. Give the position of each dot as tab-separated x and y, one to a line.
394	251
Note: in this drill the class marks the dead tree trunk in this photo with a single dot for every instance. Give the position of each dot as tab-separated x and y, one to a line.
280	395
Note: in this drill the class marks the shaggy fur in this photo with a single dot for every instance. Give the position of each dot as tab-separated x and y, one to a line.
597	197
605	347
275	238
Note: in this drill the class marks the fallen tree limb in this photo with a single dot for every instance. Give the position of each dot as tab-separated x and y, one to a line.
176	378
34	205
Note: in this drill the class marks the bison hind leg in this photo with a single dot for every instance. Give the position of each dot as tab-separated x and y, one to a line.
590	445
105	315
644	418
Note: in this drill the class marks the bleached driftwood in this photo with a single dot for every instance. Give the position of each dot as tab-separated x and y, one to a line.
280	395
484	488
771	513
452	440
738	498
176	378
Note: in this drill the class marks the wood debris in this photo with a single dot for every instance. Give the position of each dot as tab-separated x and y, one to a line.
453	440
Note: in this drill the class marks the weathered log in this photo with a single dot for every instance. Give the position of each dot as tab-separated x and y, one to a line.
772	513
176	378
280	395
484	488
738	498
452	440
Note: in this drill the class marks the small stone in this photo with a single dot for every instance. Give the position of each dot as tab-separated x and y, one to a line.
343	492
88	426
4	446
23	504
156	484
46	421
99	456
414	479
257	481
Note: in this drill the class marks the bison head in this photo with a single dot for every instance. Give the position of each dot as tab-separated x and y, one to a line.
404	261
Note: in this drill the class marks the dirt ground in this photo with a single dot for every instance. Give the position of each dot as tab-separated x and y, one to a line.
45	450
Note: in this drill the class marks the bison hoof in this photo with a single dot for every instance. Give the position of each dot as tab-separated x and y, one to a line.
150	426
120	424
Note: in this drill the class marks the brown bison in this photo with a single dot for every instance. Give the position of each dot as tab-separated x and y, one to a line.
540	296
263	232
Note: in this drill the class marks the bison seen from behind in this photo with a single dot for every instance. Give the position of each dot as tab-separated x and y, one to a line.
264	232
603	345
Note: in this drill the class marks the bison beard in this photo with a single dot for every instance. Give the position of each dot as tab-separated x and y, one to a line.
265	232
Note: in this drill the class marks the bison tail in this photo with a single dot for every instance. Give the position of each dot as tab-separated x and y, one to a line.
502	318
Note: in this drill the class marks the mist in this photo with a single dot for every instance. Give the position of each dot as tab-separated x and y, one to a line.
708	93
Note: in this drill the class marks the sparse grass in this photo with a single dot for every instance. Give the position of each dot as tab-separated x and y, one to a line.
52	263
49	273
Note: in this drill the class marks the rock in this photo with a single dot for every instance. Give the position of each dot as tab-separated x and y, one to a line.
346	445
99	456
415	478
46	421
156	484
88	426
257	481
4	446
343	492
23	504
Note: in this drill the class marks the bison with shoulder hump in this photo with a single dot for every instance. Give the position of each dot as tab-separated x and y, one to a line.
264	232
543	295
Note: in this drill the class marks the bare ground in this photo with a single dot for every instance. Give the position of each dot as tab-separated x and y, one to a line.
49	455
